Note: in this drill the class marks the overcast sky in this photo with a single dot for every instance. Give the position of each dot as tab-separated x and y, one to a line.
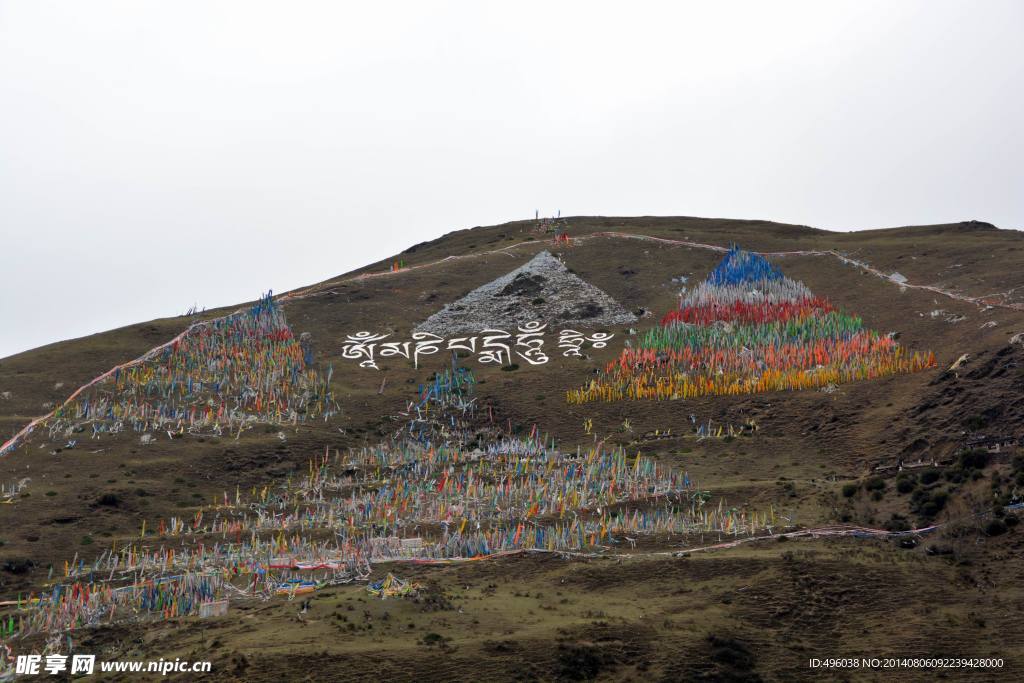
154	155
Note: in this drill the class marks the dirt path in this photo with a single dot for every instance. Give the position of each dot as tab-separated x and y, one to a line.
976	300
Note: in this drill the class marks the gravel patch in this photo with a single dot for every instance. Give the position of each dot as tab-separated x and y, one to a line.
543	289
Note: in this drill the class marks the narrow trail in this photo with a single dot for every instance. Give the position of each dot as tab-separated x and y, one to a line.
980	301
832	531
319	288
975	300
836	531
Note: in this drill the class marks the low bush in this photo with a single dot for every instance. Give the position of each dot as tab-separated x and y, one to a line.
18	565
906	483
928	502
875	484
733	655
581	662
897	523
995	527
109	500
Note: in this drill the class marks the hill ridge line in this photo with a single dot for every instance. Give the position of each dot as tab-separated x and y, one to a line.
312	290
977	301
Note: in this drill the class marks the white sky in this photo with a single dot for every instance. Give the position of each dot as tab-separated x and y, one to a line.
159	154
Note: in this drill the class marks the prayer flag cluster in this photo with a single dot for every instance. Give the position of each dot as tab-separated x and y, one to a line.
226	374
449	487
749	329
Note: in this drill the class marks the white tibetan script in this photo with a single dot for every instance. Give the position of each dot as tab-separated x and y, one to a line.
489	346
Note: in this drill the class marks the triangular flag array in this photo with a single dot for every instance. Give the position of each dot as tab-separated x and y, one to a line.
748	329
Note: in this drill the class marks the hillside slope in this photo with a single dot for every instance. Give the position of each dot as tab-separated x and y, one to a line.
819	458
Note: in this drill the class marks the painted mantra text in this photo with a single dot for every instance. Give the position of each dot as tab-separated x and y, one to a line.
489	346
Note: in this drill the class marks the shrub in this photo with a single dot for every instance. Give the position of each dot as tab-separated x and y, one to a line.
906	484
109	500
928	503
929	476
18	565
934	504
849	490
976	423
731	653
581	662
996	527
875	484
897	523
973	460
431	639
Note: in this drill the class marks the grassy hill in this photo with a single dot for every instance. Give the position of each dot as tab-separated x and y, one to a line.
754	612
